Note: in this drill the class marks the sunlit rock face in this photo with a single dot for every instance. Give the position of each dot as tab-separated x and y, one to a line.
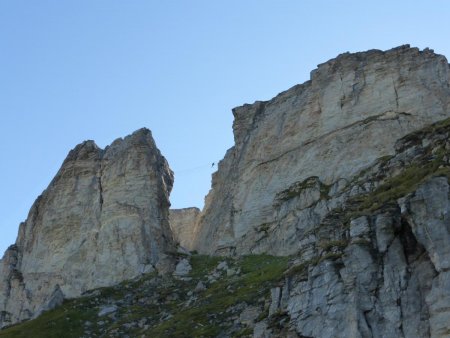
318	134
349	174
102	219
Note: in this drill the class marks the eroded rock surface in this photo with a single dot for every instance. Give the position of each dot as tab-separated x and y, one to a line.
308	141
377	264
103	219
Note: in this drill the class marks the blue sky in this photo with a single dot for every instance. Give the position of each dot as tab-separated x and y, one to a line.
80	69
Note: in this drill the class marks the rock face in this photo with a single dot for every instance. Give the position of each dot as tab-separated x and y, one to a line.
182	223
313	139
378	264
347	175
103	219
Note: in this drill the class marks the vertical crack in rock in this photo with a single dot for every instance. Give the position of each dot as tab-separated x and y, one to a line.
411	248
396	94
100	188
342	99
100	221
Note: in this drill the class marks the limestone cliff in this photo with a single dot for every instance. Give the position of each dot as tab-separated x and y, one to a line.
318	134
345	174
103	219
344	179
182	223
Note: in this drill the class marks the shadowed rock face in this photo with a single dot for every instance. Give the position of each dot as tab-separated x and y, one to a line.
350	113
182	223
103	219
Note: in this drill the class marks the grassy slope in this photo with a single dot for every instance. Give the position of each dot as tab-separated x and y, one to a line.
205	317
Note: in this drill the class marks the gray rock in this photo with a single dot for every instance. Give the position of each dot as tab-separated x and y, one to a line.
384	231
183	251
55	299
261	331
107	310
428	212
142	322
275	300
249	315
200	287
183	223
183	268
222	266
359	227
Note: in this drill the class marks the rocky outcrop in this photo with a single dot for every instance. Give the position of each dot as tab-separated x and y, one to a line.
310	141
103	219
182	223
378	264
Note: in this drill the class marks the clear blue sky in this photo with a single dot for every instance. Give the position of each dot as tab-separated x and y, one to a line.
81	69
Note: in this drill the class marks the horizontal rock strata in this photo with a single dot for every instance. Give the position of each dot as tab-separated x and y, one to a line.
317	135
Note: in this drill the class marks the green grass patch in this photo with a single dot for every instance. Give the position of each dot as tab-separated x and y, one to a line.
328	245
297	188
203	264
65	321
398	186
